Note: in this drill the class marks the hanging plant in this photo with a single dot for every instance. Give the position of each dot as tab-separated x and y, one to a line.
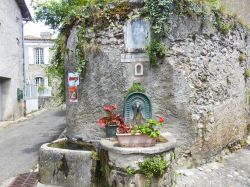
157	51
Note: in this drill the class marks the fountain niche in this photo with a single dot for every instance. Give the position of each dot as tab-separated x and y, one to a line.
76	163
137	108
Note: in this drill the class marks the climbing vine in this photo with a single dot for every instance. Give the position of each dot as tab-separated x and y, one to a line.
158	12
81	59
95	15
64	15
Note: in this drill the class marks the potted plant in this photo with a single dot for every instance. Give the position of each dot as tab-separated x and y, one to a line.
144	135
111	121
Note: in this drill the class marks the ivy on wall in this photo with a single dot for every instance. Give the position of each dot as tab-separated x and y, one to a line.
63	15
158	12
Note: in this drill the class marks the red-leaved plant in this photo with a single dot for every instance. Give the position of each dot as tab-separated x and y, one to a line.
124	129
111	118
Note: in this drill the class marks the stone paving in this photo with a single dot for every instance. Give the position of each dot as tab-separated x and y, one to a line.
232	171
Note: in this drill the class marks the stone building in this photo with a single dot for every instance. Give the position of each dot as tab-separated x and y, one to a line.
12	15
38	54
200	87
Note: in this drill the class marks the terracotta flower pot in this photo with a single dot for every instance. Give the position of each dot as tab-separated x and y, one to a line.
135	140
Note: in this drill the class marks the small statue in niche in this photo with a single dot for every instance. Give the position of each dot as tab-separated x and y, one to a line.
138	118
138	69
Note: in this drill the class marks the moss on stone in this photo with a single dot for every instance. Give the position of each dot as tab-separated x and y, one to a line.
136	87
72	145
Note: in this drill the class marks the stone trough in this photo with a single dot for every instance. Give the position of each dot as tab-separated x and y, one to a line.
66	164
117	160
77	164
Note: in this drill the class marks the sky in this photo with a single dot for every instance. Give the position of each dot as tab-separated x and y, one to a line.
34	28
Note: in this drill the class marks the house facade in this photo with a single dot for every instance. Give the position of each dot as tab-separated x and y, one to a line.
12	74
37	58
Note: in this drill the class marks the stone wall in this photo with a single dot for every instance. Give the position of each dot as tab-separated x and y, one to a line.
11	60
240	8
199	88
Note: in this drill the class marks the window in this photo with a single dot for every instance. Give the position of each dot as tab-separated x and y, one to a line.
39	56
39	81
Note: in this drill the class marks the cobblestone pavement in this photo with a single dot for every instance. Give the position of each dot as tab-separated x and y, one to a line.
232	171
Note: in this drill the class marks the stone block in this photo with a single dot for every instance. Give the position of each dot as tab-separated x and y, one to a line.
134	57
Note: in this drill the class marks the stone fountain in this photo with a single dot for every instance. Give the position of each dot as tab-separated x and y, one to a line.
85	159
77	163
118	160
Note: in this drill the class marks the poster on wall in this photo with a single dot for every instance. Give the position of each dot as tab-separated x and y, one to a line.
73	82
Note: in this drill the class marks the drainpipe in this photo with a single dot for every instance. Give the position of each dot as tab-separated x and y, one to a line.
24	71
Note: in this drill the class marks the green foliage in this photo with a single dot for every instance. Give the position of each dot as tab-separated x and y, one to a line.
246	73
56	68
156	50
195	7
190	8
51	12
131	171
150	128
225	28
41	88
81	59
62	15
136	87
58	13
222	26
248	129
94	155
153	167
158	12
243	143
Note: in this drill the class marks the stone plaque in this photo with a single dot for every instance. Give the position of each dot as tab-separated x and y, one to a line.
134	57
137	35
137	108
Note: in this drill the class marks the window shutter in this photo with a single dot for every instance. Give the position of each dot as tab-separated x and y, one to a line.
46	55
31	55
46	82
